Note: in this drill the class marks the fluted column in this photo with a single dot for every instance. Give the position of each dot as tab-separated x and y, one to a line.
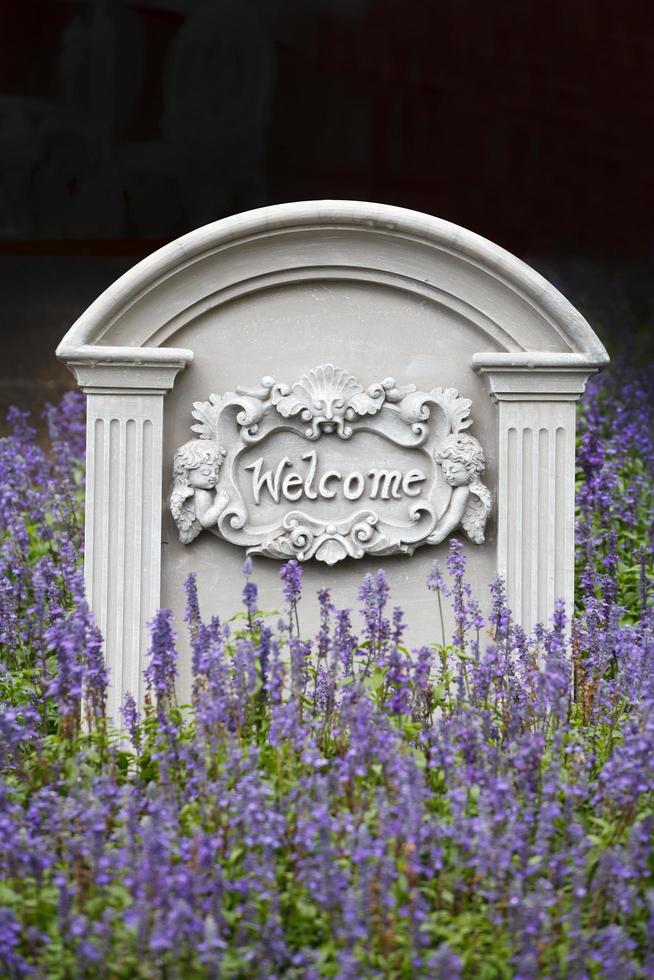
122	560
535	396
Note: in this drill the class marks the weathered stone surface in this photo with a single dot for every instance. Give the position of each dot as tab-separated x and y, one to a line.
397	308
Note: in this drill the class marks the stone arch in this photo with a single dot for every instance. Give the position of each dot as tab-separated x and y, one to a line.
344	266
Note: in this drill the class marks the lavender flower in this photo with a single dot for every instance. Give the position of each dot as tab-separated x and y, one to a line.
291	577
161	670
334	806
131	720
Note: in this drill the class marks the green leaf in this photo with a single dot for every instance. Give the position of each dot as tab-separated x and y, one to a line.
375	679
8	896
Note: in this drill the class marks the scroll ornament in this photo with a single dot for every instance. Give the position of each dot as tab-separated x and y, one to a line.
276	508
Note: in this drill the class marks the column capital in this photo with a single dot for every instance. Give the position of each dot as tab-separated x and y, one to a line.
125	370
526	376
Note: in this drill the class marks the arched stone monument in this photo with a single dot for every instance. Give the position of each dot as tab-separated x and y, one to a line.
340	382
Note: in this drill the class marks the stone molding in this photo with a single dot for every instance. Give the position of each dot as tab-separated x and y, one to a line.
536	376
97	323
117	369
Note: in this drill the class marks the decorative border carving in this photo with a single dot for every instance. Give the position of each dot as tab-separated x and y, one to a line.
328	401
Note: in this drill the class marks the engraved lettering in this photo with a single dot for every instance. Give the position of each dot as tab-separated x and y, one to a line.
292	480
272	483
382	484
308	486
322	487
413	476
392	480
353	494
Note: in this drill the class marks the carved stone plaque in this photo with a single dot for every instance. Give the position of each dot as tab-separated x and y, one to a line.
326	469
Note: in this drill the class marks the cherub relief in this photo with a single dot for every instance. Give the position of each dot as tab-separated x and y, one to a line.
327	405
462	461
196	467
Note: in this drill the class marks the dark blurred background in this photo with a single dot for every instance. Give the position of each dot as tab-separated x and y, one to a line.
126	123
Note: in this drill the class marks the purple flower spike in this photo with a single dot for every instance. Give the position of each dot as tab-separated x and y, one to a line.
161	671
435	580
131	719
291	576
192	612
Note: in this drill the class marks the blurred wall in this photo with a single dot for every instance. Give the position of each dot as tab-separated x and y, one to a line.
125	123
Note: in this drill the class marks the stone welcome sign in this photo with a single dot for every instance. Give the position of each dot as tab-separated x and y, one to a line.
327	470
347	384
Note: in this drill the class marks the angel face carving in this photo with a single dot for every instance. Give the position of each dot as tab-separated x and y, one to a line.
462	461
204	476
455	473
196	470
